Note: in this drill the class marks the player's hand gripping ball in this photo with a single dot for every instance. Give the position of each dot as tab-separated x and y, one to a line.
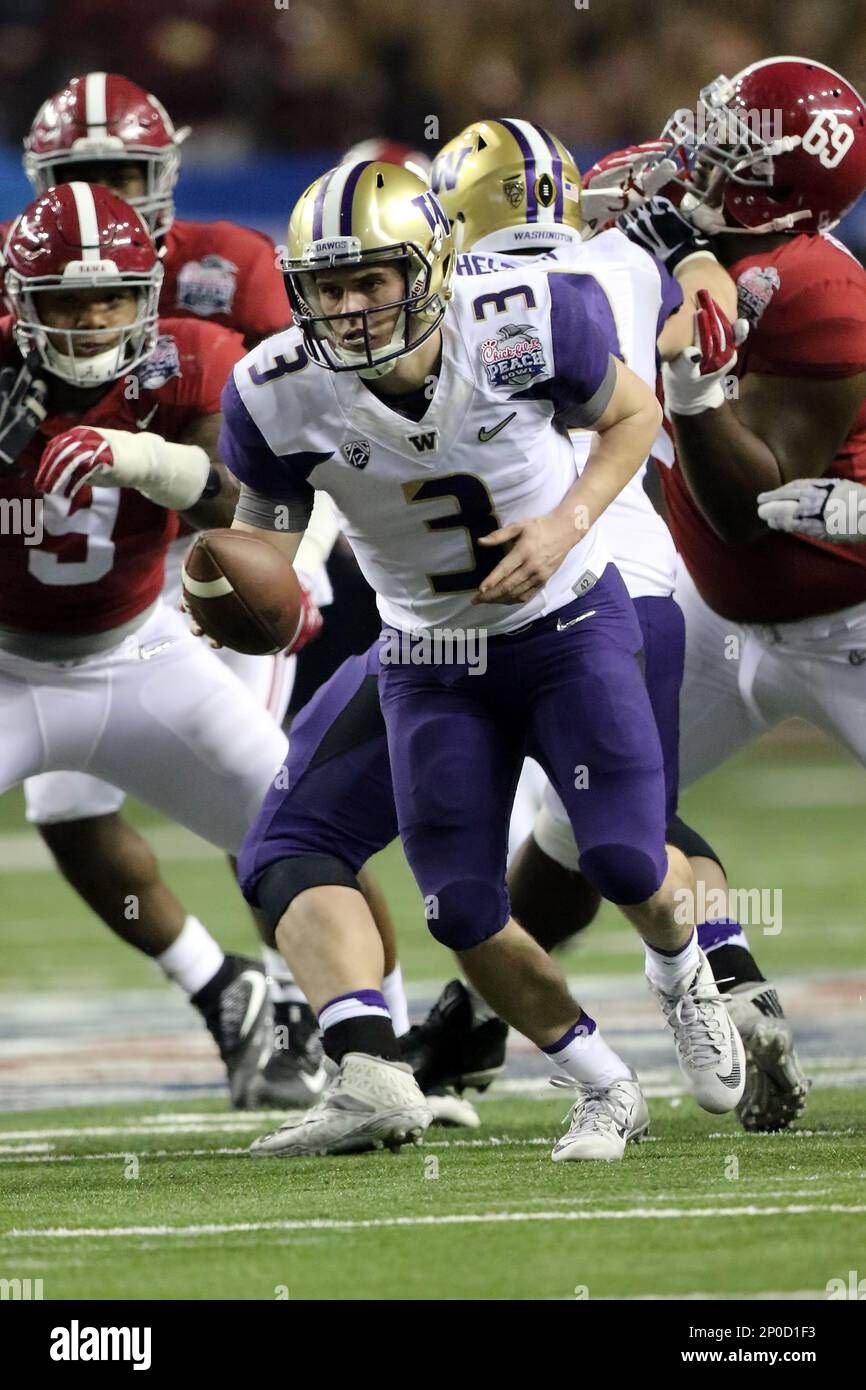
242	593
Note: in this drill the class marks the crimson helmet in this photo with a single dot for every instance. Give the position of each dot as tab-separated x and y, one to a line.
779	147
81	236
382	151
105	118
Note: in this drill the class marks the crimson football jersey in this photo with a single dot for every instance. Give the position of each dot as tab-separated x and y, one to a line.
224	273
806	305
101	556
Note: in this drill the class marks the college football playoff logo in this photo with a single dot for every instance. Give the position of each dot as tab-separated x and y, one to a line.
545	190
357	452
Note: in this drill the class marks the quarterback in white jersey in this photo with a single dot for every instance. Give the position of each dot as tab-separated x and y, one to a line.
539	217
439	427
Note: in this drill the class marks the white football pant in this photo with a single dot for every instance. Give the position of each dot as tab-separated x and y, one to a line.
67	796
742	679
158	715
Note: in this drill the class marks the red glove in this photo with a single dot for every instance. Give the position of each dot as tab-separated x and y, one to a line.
309	624
71	460
620	181
717	336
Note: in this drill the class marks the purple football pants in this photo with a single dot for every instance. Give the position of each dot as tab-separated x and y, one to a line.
567	690
336	800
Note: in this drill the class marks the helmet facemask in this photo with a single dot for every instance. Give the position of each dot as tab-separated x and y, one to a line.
418	312
161	168
129	344
723	148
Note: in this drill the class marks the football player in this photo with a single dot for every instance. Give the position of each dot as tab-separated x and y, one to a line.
775	622
511	187
389	394
108	433
103	129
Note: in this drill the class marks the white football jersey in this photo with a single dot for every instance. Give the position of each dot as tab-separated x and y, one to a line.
523	358
638	293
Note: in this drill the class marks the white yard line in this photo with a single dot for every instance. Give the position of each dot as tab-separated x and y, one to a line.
414	1222
23	851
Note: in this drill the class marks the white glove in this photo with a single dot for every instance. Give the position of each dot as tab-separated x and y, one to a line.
694	380
622	180
826	509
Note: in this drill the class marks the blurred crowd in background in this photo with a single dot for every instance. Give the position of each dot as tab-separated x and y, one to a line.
276	90
288	76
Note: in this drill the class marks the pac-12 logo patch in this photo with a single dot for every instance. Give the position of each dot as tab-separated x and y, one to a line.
207	287
161	366
357	452
755	288
514	356
514	189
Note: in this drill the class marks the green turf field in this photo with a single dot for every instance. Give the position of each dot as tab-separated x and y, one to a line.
786	816
700	1209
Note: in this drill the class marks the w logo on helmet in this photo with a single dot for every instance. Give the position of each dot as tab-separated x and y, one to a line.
446	169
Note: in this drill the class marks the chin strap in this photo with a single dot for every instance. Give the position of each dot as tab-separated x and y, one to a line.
712	220
358	360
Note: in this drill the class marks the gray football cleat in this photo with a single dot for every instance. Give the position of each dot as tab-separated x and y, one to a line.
369	1103
777	1089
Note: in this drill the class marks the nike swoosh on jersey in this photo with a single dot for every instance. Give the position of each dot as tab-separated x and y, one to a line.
561	626
484	434
143	424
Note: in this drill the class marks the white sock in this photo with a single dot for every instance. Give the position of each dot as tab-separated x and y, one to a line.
193	959
670	973
583	1054
281	981
395	997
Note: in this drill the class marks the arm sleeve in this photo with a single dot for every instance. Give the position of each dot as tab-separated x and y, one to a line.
268	515
584	346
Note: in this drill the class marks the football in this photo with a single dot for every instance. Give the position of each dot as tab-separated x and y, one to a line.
242	592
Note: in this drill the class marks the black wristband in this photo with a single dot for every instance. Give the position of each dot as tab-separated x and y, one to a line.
213	486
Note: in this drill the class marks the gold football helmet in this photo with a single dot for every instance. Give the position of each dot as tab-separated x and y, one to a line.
508	185
361	214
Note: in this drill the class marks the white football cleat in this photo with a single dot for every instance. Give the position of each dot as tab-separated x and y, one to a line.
709	1048
777	1088
450	1110
602	1122
368	1103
